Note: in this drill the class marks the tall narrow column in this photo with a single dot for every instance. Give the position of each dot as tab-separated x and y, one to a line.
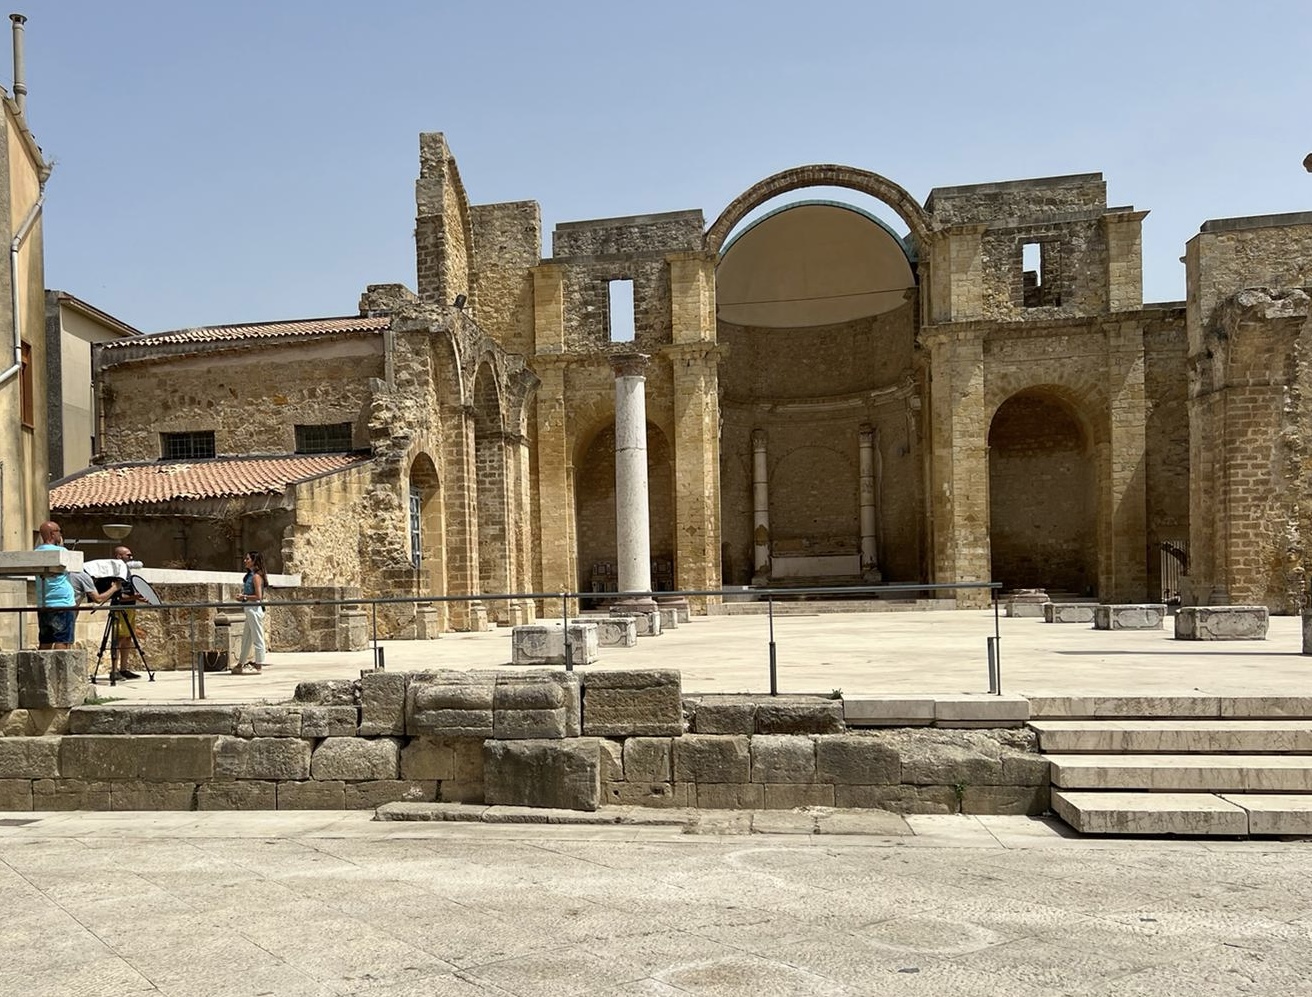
760	509
869	504
632	516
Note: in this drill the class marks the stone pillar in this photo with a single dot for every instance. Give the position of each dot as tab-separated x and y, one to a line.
632	517
869	440
1125	542
696	469
760	509
557	552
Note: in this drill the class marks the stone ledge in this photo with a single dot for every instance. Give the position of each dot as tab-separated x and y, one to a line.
1145	616
1221	623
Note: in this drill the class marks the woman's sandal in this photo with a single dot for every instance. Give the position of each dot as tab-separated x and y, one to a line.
246	668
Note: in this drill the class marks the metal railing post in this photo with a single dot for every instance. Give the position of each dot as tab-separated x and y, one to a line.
774	676
569	647
379	664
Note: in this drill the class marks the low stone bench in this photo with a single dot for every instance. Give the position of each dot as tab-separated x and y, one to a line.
649	624
1027	603
1221	623
1146	616
616	631
1067	612
544	643
669	618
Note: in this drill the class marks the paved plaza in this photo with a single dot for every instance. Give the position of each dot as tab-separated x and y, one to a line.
301	904
936	652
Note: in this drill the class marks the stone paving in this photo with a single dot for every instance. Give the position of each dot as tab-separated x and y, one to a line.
935	652
301	904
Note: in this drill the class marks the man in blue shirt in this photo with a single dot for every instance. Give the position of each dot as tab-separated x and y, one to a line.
54	623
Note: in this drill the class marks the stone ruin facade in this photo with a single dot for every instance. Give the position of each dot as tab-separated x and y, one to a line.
986	397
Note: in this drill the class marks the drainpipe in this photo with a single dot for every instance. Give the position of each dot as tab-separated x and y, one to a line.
20	76
32	215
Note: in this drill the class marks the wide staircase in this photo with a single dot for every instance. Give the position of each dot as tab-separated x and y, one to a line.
1233	766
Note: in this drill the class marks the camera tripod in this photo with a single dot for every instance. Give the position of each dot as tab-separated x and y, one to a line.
115	663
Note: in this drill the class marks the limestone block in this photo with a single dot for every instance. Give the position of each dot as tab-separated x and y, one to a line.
678	605
544	643
669	618
1021	769
450	704
1005	800
328	692
248	794
612	760
784	758
15	794
33	723
616	631
632	703
799	715
352	629
647	624
69	794
784	796
9	682
458	791
648	759
311	795
52	679
536	705
442	759
898	799
329	721
269	721
368	795
153	757
143	718
428	621
888	711
356	758
1130	617
1027	609
981	711
262	758
730	796
29	757
383	704
544	773
136	795
931	763
725	715
713	758
1221	623
1067	612
646	794
853	760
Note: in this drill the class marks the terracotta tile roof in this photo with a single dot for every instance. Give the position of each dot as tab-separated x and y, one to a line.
223	477
257	330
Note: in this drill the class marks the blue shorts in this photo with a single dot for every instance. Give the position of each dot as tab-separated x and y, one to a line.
55	626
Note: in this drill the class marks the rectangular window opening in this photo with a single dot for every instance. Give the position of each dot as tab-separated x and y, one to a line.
416	534
187	446
27	388
620	312
1040	274
332	438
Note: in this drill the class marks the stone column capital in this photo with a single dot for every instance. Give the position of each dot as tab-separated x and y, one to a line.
629	364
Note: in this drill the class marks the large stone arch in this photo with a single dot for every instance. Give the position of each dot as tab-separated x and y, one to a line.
427	526
820	175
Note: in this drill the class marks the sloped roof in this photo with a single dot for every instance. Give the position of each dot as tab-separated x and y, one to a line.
257	330
166	481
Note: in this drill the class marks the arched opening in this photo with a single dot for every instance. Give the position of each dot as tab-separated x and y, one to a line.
427	527
1042	501
594	489
492	490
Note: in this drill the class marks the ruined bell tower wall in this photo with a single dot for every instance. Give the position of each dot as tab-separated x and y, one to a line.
443	227
507	246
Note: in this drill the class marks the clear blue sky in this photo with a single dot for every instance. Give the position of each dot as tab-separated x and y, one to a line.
244	161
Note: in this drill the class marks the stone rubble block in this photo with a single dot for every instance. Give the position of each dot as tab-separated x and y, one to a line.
315	795
799	715
328	692
612	760
725	715
616	631
152	757
1007	800
29	757
382	703
536	705
457	791
248	794
784	758
669	618
1147	616
785	796
138	795
729	796
9	682
182	718
443	759
647	624
961	760
1221	623
544	643
899	799
712	758
329	721
269	721
70	794
356	758
632	703
450	704
648	759
262	758
52	679
369	795
646	794
543	773
15	795
856	760
33	723
1068	612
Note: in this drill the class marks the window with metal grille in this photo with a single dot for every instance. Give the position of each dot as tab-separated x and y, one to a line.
333	438
187	446
416	537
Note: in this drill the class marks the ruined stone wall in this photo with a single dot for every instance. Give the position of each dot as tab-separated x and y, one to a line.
1016	199
251	398
1166	457
507	244
325	543
442	250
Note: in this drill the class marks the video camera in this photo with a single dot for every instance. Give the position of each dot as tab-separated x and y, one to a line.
132	587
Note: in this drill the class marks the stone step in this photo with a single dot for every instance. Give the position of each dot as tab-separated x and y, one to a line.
1094	707
1184	773
1211	737
1203	814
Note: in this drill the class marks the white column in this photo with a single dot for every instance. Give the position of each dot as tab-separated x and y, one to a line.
632	516
760	509
869	439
